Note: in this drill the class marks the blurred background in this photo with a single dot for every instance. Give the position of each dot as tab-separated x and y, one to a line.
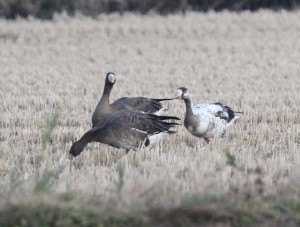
45	9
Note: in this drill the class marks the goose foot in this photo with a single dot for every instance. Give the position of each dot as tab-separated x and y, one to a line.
207	140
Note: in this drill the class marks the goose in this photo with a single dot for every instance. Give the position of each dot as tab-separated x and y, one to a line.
127	129
207	120
146	105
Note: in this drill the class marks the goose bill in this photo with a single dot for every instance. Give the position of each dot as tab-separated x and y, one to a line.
177	95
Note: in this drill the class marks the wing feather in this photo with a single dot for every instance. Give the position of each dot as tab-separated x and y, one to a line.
146	105
217	109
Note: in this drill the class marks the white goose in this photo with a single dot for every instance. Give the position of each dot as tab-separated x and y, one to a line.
205	120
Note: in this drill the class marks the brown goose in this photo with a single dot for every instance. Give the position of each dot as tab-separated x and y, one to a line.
146	105
206	120
127	129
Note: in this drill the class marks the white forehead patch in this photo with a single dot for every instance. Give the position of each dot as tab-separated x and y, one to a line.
179	92
111	78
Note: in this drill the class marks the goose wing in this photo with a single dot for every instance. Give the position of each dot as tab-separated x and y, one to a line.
149	123
146	105
129	129
217	110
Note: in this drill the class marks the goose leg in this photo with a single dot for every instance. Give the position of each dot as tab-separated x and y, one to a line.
207	140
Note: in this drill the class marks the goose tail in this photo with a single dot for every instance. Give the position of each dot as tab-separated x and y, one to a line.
162	118
160	100
233	119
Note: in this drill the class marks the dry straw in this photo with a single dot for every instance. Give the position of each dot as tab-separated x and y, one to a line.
248	61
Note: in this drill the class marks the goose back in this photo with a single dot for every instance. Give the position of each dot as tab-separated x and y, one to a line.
146	105
209	120
126	129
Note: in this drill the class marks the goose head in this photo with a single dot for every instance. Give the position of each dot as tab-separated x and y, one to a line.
110	78
75	150
182	93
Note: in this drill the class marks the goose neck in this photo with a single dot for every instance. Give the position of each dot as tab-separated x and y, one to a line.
105	96
88	137
188	106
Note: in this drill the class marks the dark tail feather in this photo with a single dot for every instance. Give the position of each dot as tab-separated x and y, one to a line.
159	100
161	122
164	117
172	124
230	112
163	126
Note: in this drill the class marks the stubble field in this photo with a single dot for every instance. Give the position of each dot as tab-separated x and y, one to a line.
249	61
